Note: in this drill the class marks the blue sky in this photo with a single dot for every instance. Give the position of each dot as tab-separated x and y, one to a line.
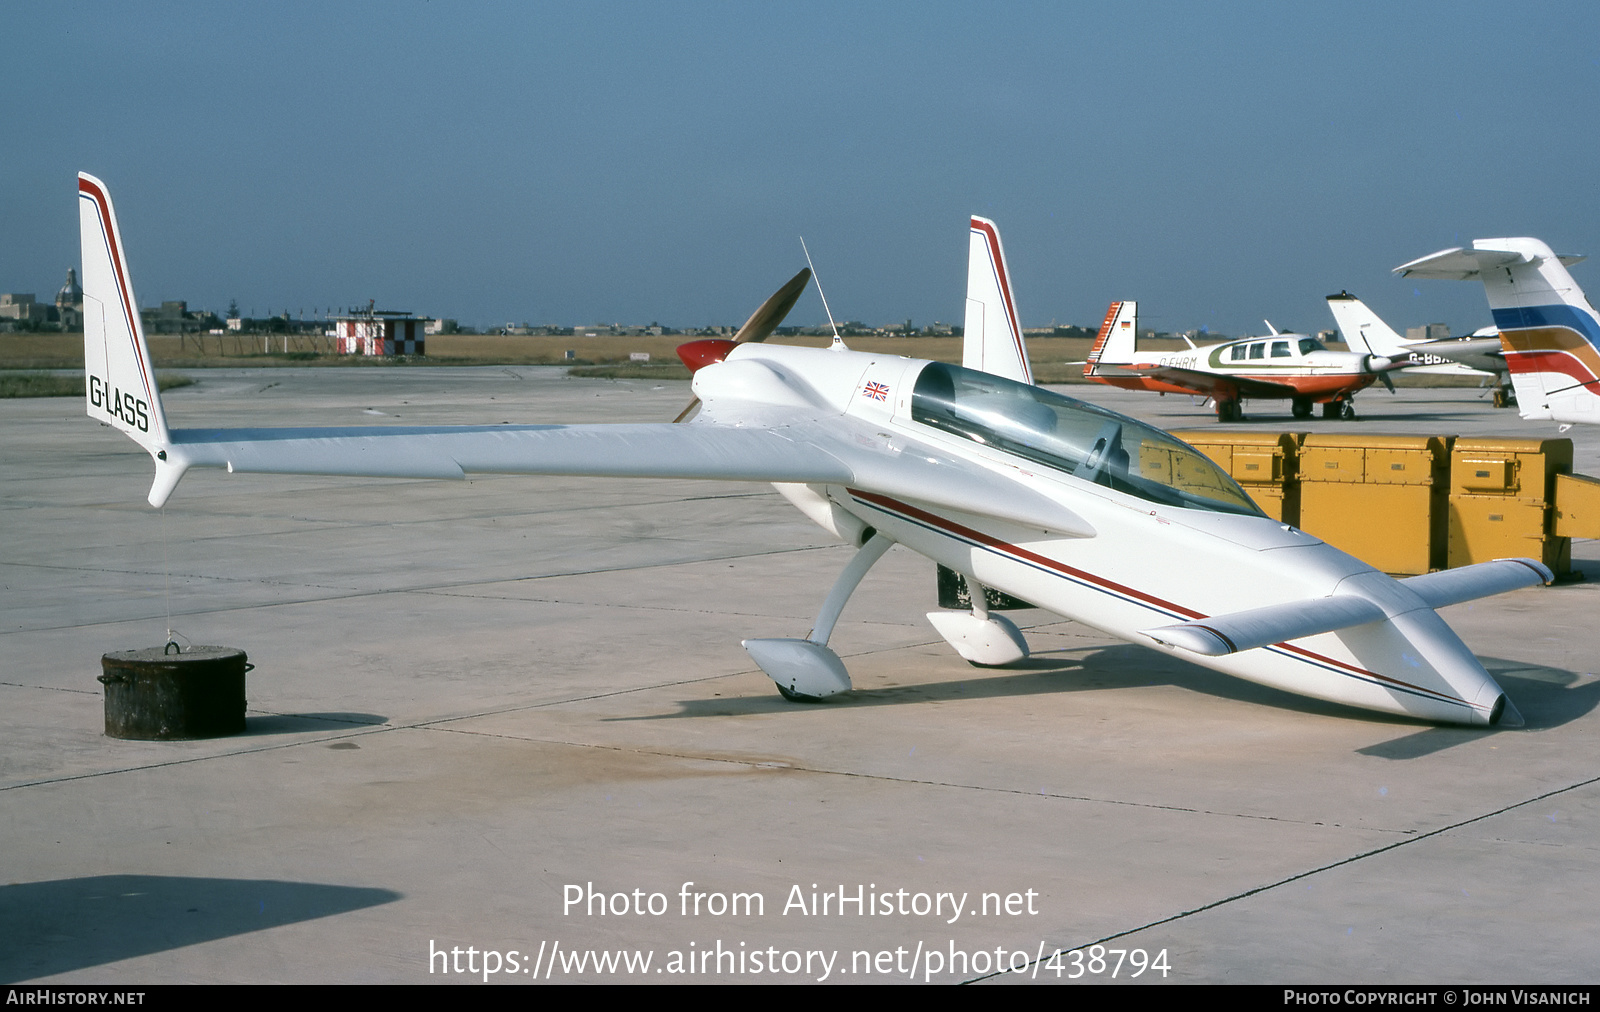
574	163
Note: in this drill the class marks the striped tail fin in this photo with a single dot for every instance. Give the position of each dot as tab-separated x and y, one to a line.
118	373
1114	345
992	337
1549	332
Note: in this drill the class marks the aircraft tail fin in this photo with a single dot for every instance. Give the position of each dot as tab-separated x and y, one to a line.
1362	329
992	336
118	373
1115	344
1549	332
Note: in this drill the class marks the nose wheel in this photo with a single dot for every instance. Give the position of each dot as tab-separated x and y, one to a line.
1341	408
806	671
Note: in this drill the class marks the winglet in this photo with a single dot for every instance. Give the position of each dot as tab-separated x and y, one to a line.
992	336
119	376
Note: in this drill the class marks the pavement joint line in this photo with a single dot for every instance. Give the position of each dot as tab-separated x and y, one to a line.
912	780
186	760
373	729
1352	859
893	624
51	688
441	589
420	588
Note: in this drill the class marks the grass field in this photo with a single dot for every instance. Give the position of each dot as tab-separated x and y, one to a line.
591	356
65	351
48	384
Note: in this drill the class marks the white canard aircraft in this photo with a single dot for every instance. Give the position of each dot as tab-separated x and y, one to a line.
1083	512
1549	333
1277	366
1475	357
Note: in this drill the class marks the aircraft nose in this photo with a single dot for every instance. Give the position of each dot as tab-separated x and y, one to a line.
1510	716
699	354
1459	672
1501	712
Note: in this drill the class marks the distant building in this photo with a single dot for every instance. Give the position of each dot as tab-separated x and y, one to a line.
171	318
1431	332
380	332
69	302
23	306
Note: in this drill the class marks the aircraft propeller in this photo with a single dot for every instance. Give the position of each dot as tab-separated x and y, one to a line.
1381	365
759	327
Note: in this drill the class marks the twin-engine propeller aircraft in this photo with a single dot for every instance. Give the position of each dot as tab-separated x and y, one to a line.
1549	333
1081	511
1474	357
1278	366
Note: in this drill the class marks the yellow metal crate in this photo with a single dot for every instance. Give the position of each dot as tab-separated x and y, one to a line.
1486	527
1526	468
1502	501
1381	498
1577	506
1263	463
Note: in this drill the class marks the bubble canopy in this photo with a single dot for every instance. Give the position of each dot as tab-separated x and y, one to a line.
1073	437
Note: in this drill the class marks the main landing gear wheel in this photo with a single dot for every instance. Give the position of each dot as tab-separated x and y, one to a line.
1301	408
1230	411
1347	411
796	697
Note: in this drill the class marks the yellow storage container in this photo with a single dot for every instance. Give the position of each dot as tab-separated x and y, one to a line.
1381	498
1577	506
1502	501
1265	464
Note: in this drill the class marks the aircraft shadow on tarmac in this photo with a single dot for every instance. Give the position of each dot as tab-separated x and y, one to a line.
70	924
1547	697
1121	666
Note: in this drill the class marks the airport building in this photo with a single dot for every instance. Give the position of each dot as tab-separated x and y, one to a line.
22	306
1429	332
28	312
380	332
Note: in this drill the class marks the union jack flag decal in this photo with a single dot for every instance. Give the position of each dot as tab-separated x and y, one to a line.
877	391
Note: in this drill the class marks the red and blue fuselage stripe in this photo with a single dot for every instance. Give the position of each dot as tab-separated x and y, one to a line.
949	528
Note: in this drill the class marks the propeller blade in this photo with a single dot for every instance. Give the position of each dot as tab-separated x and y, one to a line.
1384	376
683	416
766	319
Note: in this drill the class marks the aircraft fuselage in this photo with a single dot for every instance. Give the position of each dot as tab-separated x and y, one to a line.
1148	563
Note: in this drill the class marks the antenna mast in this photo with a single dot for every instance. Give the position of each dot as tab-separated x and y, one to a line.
838	342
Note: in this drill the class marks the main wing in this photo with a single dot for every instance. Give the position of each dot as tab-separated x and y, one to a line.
640	451
796	441
792	449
